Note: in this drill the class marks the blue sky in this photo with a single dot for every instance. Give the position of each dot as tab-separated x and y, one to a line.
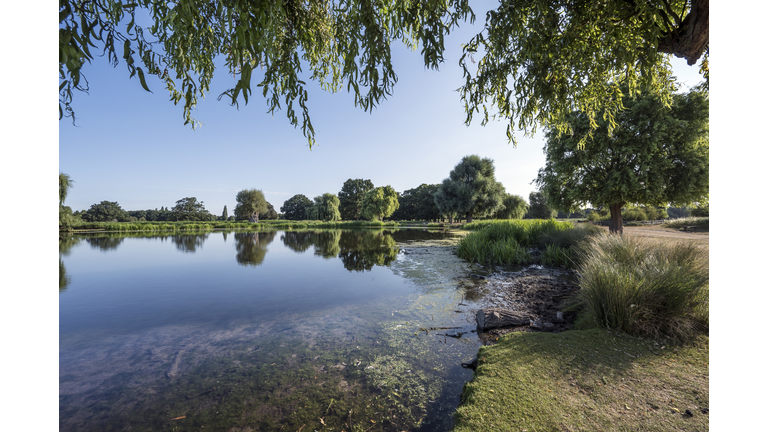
131	146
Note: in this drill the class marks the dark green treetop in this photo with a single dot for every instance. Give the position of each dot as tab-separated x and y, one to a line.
105	211
190	209
351	198
656	155
471	188
295	208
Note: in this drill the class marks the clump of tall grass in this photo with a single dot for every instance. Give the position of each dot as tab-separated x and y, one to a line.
555	256
645	287
505	241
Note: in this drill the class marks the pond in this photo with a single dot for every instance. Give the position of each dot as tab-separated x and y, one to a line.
280	330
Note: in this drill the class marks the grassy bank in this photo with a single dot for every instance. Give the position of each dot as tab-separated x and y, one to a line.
201	226
586	380
621	370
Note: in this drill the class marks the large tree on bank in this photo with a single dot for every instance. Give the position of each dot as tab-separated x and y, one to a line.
250	204
379	203
656	155
532	77
471	188
295	208
351	198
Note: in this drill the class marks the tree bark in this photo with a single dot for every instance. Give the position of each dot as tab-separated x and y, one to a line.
469	217
690	38
490	318
617	222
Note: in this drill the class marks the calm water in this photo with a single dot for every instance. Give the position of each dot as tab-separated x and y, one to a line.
318	330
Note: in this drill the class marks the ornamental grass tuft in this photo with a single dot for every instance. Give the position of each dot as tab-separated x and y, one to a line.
645	287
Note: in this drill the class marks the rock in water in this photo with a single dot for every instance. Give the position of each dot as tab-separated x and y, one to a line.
491	318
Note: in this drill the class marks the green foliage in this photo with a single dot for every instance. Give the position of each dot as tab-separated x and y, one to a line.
471	188
325	208
224	214
351	198
656	155
189	209
644	287
554	256
250	203
295	208
65	184
105	211
265	45
270	214
514	207
379	203
700	210
540	208
418	204
505	241
543	59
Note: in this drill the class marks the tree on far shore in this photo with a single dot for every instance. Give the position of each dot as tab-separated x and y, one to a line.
250	203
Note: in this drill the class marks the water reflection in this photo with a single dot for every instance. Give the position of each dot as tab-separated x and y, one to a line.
189	243
358	250
252	247
65	248
105	244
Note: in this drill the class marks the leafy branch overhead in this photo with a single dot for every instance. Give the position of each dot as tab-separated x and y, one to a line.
543	59
344	43
540	59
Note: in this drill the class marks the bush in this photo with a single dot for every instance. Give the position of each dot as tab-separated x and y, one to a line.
699	222
644	287
505	241
554	256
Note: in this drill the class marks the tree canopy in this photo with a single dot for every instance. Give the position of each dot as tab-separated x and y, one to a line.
471	188
190	209
325	207
539	207
250	203
418	204
379	203
543	59
105	211
295	208
351	198
540	58
342	43
656	155
514	207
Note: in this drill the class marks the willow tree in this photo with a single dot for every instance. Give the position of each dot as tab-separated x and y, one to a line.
541	58
514	207
250	203
656	155
379	203
325	207
471	188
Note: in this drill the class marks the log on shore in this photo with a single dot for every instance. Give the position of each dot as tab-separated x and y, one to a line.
491	318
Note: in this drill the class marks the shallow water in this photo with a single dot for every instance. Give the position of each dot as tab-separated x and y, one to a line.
281	330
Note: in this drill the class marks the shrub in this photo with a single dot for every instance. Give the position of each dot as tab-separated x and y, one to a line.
554	256
644	287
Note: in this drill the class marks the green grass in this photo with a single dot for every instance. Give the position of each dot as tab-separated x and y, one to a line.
506	241
645	287
162	226
586	380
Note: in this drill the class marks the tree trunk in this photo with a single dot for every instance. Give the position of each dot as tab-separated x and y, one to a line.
690	38
617	222
490	318
469	216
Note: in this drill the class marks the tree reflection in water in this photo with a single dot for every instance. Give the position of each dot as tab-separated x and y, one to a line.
105	243
358	250
189	243
252	247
